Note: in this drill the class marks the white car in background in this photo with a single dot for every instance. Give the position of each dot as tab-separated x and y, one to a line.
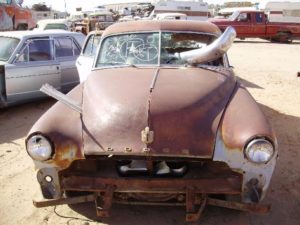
29	59
85	61
52	24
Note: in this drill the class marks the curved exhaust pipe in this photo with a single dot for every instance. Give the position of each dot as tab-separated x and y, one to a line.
211	52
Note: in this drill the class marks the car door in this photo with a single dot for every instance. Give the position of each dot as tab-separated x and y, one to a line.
67	51
259	24
242	24
33	66
85	61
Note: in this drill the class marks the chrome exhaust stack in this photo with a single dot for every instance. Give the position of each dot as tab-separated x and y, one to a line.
211	52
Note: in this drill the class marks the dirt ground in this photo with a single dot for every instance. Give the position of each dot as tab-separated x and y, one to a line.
268	70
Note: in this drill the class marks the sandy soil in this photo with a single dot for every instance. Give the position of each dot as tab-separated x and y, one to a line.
268	70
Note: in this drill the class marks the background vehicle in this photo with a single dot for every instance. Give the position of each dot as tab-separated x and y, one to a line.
28	59
171	16
256	24
94	21
194	10
161	119
52	24
14	17
284	11
84	63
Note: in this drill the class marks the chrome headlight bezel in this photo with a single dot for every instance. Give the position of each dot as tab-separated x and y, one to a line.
39	147
259	150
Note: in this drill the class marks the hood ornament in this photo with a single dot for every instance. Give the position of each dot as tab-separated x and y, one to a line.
147	136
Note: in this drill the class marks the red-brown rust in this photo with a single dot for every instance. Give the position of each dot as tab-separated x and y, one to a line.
183	116
225	185
164	25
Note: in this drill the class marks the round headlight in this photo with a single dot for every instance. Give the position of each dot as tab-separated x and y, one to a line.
39	147
259	150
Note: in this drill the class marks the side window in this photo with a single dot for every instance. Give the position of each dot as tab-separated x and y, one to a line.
36	50
91	45
244	17
65	47
259	17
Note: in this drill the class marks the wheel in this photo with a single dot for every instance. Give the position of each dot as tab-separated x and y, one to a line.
282	37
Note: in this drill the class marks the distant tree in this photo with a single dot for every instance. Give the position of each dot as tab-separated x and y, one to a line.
41	7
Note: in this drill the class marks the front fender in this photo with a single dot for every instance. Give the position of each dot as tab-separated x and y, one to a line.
63	126
243	120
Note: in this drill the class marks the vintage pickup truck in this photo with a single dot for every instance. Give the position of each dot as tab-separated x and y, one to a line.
256	24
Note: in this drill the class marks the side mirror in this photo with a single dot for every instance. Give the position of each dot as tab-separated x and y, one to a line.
211	52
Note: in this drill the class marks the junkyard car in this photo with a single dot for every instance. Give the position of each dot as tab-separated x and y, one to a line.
94	21
161	119
84	62
52	24
29	59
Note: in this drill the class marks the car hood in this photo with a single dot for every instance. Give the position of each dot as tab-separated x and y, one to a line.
181	106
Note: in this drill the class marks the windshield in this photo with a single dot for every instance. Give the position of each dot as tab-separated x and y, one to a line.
54	26
143	48
7	47
234	15
125	49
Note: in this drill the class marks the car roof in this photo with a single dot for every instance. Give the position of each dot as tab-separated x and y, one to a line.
162	25
37	33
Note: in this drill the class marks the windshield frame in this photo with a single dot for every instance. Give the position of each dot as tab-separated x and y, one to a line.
159	64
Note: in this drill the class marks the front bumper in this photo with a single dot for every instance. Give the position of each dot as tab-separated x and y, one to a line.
101	183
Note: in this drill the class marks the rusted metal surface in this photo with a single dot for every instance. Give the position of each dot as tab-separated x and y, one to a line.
121	113
221	185
168	25
210	178
104	202
175	98
194	210
242	108
191	190
62	201
63	127
248	207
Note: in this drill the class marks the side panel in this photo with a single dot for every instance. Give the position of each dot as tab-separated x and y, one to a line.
24	80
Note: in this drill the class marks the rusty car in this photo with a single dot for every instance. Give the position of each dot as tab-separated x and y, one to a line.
161	119
28	59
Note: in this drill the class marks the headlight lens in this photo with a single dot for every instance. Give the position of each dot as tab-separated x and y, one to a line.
39	148
259	150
